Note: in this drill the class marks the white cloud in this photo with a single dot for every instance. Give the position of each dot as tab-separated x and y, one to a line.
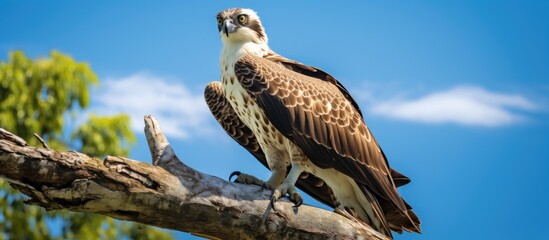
181	113
460	105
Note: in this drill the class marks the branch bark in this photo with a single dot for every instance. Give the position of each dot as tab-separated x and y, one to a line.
168	194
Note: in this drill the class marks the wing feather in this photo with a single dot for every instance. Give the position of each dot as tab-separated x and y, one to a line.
309	183
231	123
312	72
348	146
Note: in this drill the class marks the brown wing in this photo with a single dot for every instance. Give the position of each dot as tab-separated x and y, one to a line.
312	72
230	122
318	118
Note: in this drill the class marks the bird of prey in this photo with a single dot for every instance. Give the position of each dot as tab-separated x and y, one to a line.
304	126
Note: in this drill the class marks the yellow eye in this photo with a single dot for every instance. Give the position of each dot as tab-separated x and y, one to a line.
242	18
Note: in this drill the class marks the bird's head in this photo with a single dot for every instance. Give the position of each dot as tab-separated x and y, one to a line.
240	25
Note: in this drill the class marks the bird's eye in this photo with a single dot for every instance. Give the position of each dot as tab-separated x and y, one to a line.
219	21
242	18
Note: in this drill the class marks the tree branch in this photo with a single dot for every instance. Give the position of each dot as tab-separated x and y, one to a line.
168	195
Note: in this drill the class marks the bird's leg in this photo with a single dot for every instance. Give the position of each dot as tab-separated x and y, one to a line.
277	164
297	159
288	187
276	179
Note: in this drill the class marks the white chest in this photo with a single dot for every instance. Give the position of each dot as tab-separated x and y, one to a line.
243	104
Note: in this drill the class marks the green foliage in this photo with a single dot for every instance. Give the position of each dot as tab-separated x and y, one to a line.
19	220
102	135
36	96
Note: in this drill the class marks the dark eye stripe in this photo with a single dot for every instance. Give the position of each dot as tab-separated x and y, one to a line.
254	25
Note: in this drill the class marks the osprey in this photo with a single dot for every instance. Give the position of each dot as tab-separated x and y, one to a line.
303	125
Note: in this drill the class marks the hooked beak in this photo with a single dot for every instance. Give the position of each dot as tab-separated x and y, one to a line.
228	27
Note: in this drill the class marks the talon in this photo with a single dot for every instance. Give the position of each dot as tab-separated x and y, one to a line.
298	204
273	199
235	173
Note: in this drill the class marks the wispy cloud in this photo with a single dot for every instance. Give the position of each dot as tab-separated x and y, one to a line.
181	113
465	105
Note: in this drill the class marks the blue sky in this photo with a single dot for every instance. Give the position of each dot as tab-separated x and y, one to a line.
456	92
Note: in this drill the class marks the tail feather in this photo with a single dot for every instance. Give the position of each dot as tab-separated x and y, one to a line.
391	217
399	220
399	178
374	218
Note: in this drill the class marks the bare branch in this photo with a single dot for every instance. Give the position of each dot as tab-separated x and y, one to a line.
41	141
168	195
